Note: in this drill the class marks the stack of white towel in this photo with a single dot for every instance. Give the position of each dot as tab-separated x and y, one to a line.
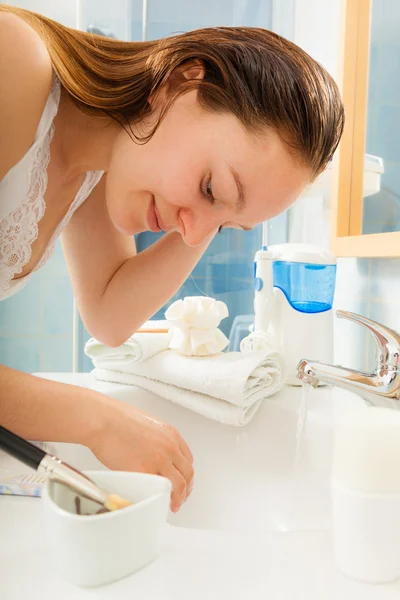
227	386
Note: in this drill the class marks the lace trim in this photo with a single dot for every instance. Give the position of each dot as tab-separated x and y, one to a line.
91	180
7	273
20	229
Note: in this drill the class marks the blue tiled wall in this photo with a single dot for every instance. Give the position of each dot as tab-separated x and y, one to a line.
36	323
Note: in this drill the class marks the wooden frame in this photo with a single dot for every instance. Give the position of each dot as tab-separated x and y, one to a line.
347	197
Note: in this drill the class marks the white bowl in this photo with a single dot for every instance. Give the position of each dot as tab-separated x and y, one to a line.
98	549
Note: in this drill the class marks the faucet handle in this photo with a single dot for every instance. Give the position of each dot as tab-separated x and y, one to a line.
387	339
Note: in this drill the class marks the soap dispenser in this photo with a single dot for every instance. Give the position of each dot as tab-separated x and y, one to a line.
294	287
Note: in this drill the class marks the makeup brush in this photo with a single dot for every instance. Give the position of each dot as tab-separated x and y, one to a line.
54	468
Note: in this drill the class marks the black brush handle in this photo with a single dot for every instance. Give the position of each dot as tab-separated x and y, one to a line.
20	449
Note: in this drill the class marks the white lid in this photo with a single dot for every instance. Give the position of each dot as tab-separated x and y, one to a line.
367	450
304	253
373	168
372	164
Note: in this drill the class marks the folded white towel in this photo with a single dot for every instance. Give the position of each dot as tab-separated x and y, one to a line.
139	347
227	387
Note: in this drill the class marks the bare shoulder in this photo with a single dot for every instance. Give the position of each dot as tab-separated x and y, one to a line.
25	82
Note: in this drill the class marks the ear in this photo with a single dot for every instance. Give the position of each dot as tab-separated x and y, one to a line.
192	69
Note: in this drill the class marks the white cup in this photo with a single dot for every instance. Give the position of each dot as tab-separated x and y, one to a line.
366	534
98	549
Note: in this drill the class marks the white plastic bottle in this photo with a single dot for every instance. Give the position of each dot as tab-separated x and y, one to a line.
366	495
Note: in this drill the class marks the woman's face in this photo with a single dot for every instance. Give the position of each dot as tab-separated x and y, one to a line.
199	172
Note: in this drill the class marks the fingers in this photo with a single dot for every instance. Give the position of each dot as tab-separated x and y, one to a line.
178	494
180	472
185	468
184	448
183	462
178	440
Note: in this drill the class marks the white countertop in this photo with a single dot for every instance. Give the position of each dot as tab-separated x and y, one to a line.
284	557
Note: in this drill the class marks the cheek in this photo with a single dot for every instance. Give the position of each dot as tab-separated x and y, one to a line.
174	187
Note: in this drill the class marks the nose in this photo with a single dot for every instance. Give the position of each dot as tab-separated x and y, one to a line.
197	228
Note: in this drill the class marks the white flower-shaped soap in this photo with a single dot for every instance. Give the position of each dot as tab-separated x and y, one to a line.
193	325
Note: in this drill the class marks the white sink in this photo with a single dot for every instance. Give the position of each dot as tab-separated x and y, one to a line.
254	527
246	479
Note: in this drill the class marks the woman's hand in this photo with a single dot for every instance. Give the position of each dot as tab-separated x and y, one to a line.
131	440
121	436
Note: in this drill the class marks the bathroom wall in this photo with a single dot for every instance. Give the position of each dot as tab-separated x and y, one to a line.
382	210
367	286
36	325
370	287
64	12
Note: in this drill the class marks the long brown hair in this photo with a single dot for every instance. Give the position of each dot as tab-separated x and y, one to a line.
260	77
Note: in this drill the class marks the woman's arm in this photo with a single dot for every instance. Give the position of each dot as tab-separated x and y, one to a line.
38	409
146	282
122	437
116	289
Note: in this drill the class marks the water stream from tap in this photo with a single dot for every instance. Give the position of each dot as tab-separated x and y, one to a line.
301	421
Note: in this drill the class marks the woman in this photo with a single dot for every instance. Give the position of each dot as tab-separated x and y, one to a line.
103	139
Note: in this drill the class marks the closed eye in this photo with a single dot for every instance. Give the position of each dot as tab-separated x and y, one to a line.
208	192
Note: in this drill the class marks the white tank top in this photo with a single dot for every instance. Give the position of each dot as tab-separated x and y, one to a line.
22	203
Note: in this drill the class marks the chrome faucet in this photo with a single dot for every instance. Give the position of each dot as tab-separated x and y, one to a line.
379	388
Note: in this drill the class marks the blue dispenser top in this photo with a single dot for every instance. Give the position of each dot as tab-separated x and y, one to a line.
306	276
309	288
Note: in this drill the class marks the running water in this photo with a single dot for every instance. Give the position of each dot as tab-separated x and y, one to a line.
301	421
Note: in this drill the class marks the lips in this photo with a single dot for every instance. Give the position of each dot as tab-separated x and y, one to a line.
155	222
182	228
159	219
160	222
152	220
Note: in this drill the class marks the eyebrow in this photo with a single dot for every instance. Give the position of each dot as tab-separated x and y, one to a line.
241	202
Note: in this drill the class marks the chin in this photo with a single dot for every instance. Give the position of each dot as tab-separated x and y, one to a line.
127	230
